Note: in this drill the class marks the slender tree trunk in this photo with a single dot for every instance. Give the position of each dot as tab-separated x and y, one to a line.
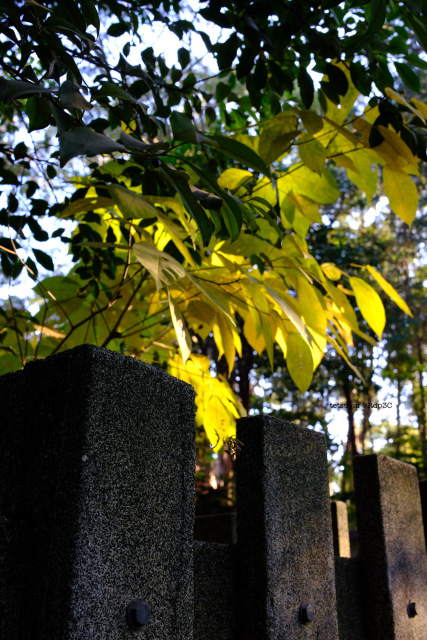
398	438
351	449
422	404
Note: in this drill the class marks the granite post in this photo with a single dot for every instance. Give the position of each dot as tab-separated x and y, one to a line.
96	499
284	533
392	548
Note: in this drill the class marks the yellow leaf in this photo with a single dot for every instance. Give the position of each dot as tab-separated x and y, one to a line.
184	339
390	291
401	193
49	332
277	135
398	145
331	271
233	178
223	336
401	100
299	361
370	305
421	110
306	206
300	179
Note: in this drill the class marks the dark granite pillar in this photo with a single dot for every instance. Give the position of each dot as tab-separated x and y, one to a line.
96	499
284	533
392	548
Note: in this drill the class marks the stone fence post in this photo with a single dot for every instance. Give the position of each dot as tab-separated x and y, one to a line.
97	461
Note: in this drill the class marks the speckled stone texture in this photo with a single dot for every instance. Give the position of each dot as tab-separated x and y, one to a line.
423	494
392	547
214	591
349	590
340	529
284	532
97	499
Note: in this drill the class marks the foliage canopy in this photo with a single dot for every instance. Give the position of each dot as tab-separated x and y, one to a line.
193	203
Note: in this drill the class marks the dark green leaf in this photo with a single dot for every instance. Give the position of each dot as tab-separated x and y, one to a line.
118	29
239	152
39	234
227	51
90	13
71	98
330	91
378	14
305	83
408	77
108	89
44	259
416	61
83	141
183	57
360	78
177	180
183	129
38	112
338	79
13	89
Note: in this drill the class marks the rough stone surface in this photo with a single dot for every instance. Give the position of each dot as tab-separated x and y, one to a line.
96	497
214	591
392	547
423	494
284	532
340	529
349	589
218	527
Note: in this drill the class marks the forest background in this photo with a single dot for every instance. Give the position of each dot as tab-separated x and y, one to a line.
228	217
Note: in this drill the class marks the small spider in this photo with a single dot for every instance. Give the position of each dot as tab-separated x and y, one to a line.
232	445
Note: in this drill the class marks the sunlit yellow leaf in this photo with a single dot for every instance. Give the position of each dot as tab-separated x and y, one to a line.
401	100
312	153
390	291
398	145
401	193
299	361
370	305
184	339
276	136
300	179
233	178
331	271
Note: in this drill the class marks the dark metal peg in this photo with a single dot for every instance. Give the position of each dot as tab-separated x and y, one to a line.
411	610
306	613
138	613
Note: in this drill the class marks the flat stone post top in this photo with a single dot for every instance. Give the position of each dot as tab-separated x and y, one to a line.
284	533
97	462
392	548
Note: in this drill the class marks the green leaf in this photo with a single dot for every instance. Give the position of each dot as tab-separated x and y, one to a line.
337	78
118	28
177	180
90	13
408	77
183	129
276	136
44	259
390	291
378	15
183	57
130	203
184	338
38	112
71	98
239	152
108	89
130	141
13	89
305	83
206	199
299	361
83	141
401	193
370	305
